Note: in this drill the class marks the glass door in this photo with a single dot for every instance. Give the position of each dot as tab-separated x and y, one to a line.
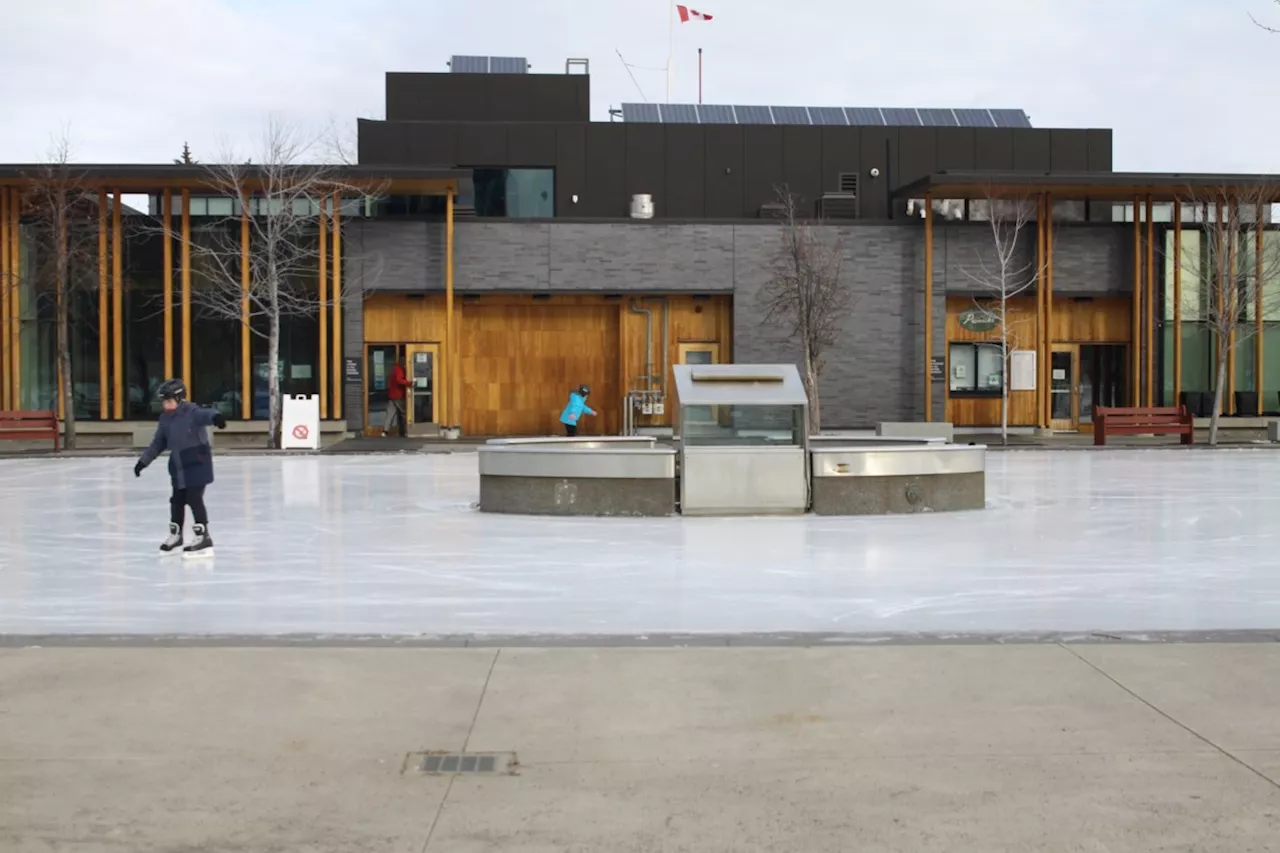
420	367
378	361
1064	387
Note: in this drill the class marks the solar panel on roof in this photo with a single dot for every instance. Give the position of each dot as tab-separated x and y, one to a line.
508	65
753	115
679	113
641	113
864	116
828	115
469	65
1010	118
936	117
715	114
974	118
900	116
790	115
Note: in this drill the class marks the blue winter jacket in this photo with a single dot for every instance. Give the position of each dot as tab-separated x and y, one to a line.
573	411
184	433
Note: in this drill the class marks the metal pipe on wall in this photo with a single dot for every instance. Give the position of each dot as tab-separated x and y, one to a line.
648	343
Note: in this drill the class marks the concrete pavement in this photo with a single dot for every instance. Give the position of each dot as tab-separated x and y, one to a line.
896	748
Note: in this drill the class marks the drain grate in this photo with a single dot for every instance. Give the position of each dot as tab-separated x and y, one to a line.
449	763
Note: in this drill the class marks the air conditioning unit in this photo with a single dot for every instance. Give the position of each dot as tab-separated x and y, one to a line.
839	206
773	210
642	206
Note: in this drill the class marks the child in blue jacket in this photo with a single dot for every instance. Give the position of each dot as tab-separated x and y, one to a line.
573	411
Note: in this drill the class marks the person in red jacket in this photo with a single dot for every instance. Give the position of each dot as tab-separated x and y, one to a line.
396	386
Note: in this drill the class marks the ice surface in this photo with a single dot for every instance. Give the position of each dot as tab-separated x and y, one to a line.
1117	540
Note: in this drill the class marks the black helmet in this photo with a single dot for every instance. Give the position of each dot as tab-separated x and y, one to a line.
584	390
172	389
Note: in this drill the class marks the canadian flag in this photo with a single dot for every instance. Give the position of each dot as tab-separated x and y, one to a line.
687	15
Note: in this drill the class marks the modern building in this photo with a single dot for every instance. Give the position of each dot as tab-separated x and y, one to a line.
509	248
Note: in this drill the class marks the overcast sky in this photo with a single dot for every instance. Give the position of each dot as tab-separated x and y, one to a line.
1186	84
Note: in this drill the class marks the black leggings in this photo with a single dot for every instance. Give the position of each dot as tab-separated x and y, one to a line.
571	430
183	498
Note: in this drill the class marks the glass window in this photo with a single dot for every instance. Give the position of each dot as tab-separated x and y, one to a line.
1271	368
514	193
745	426
220	206
215	325
531	193
143	326
975	369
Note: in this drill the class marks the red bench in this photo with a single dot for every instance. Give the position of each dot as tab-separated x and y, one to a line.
1171	420
31	425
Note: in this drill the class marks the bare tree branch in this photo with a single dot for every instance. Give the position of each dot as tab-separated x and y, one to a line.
62	216
1226	285
805	293
1007	273
280	199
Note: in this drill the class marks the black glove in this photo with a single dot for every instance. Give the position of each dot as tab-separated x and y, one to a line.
219	421
137	469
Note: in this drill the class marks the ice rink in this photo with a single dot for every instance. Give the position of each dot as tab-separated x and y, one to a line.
391	545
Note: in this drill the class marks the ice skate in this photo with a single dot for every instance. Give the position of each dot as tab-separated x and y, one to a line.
174	542
202	547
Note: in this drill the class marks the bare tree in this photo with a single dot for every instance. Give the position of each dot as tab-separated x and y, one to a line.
61	212
1260	25
805	293
1008	271
284	197
1224	277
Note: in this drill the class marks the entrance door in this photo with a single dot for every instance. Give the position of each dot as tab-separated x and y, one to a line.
1102	378
706	353
421	405
1064	387
698	353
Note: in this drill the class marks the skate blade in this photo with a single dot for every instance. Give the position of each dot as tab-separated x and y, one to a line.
206	554
172	552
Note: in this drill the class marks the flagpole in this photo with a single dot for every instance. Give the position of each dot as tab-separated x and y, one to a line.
671	42
699	75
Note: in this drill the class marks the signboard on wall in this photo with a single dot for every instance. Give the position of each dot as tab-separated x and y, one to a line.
351	370
938	368
977	320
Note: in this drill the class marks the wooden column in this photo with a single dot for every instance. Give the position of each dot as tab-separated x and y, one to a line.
1259	365
117	308
246	352
186	291
450	326
1220	254
928	307
1177	303
1150	298
104	313
166	211
1233	307
1048	299
15	298
1136	332
1043	371
339	379
6	282
323	317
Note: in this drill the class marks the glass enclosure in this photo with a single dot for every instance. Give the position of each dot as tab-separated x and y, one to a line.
743	426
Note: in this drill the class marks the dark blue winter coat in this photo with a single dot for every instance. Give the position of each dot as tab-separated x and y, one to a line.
184	433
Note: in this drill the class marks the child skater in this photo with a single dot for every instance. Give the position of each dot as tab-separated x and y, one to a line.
573	411
182	431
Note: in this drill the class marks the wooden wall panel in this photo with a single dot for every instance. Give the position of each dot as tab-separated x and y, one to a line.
691	321
396	319
1080	321
521	356
519	363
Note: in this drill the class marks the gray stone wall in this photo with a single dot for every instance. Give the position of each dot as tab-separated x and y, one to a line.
875	372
